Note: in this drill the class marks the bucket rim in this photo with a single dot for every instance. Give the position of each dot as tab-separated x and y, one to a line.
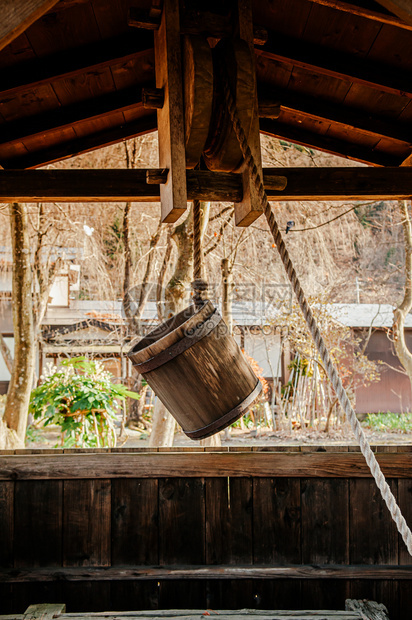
169	332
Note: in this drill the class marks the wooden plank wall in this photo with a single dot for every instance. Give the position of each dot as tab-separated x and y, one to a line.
304	521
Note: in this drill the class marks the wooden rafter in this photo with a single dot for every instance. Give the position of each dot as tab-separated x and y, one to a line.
362	10
328	144
17	15
401	8
70	116
317	108
121	185
69	64
81	145
337	64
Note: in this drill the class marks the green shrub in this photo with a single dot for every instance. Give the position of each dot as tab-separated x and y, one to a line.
79	396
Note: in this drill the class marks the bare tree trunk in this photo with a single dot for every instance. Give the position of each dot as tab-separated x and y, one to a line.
18	396
163	428
399	315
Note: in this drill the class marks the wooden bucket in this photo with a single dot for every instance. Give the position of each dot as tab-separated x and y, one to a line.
197	370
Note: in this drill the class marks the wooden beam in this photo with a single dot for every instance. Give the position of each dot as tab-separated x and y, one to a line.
31	74
143	573
170	118
70	116
17	15
340	183
97	140
328	144
122	185
201	464
249	209
401	8
362	10
337	64
316	108
110	185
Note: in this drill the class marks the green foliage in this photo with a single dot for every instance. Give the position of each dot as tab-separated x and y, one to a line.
80	397
389	422
34	435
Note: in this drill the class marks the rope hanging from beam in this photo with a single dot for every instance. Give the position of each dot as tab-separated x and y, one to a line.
332	373
199	285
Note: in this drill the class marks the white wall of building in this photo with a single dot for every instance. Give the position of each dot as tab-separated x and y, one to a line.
266	351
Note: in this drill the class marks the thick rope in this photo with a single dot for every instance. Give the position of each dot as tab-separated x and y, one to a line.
199	285
334	378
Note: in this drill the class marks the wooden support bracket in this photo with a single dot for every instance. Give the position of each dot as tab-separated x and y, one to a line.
153	98
170	118
249	209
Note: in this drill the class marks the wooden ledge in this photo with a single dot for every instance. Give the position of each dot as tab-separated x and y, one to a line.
144	573
199	465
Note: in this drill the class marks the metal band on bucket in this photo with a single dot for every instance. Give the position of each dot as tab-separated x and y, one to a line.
192	337
229	417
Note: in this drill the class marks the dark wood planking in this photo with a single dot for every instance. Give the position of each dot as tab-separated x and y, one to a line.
111	17
181	521
336	64
60	31
203	464
321	595
38	523
405	504
356	119
230	594
278	593
290	18
84	597
392	49
229	538
135	527
16	52
6	523
126	595
113	52
225	573
18	15
328	144
87	521
325	531
182	595
23	594
340	31
373	535
276	521
405	598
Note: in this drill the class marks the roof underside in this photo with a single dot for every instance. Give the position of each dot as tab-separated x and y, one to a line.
72	81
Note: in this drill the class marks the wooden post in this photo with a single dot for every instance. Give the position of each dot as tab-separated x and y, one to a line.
170	118
249	209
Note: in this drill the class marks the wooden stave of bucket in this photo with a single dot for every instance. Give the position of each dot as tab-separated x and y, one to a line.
219	383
